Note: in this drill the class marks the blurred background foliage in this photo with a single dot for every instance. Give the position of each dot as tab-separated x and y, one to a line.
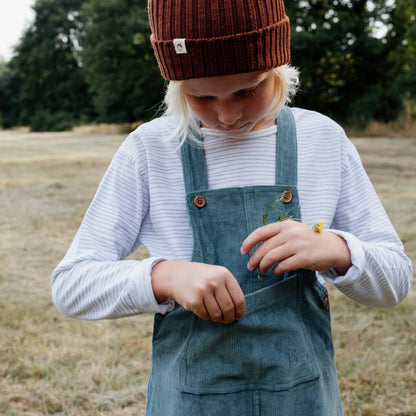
84	61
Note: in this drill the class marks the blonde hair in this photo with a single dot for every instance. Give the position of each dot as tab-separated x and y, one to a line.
286	85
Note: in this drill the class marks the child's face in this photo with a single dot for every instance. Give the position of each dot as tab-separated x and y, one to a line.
235	104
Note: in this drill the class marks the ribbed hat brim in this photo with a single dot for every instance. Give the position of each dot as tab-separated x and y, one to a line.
257	50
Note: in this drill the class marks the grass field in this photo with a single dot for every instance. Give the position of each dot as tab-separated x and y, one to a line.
50	364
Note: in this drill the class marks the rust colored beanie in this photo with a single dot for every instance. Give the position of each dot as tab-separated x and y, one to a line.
204	38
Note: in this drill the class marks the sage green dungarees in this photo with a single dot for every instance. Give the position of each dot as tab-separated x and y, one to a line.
278	358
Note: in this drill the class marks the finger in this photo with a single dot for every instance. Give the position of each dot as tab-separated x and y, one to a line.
276	255
201	312
197	306
226	305
213	308
286	265
263	252
237	297
259	235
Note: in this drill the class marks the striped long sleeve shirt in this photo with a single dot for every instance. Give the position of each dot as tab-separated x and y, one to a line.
141	201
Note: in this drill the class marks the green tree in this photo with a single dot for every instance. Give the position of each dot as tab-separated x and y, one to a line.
403	55
344	57
120	67
10	84
52	93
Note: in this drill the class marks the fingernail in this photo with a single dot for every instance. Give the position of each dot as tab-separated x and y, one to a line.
242	251
250	267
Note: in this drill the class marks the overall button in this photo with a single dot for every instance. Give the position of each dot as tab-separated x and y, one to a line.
200	201
326	304
286	197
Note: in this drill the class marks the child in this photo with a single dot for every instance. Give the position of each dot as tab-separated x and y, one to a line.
228	192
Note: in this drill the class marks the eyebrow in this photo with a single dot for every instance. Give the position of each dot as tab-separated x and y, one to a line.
252	87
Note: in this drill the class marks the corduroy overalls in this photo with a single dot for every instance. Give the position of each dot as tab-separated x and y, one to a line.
277	360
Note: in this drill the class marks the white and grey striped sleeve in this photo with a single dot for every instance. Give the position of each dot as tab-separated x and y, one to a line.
93	281
381	274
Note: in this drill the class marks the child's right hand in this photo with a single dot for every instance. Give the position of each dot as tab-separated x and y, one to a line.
209	291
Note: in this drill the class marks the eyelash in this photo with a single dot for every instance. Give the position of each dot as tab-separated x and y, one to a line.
241	94
247	93
204	98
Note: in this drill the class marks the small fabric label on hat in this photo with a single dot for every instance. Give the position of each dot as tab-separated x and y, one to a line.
180	46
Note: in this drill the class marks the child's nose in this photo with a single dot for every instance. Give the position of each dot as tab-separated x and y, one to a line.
228	113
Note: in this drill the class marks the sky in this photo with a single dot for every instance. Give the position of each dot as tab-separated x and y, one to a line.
15	16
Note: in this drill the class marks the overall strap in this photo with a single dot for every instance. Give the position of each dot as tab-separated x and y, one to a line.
194	164
286	149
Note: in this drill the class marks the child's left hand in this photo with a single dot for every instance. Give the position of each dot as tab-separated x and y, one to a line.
293	245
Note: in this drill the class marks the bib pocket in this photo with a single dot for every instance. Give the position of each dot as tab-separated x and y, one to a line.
266	349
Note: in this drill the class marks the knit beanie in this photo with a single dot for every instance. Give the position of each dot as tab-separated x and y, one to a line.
204	38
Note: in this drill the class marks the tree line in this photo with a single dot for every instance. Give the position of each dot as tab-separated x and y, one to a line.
83	61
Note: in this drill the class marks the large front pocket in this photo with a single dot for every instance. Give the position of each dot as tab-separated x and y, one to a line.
266	349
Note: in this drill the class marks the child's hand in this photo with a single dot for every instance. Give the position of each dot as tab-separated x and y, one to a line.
294	245
211	292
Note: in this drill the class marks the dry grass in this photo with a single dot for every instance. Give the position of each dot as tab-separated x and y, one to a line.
404	126
50	364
